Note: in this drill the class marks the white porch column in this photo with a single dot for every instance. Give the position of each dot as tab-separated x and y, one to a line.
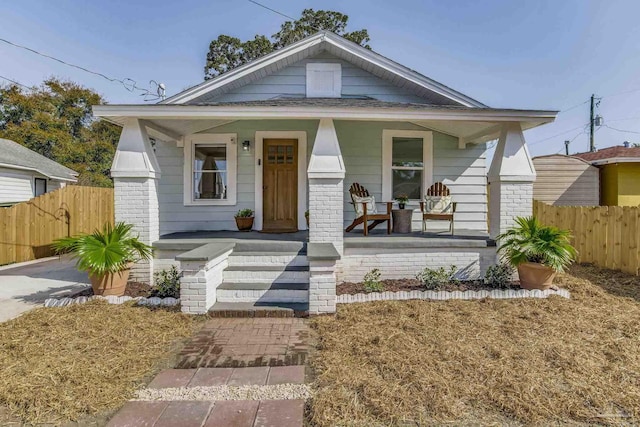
510	177
326	188
135	174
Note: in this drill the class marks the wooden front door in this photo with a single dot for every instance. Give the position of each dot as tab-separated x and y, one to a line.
280	185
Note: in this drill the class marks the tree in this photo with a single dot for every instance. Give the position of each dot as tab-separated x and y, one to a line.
55	120
226	52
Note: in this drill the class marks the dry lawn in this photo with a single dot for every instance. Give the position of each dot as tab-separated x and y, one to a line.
60	364
531	362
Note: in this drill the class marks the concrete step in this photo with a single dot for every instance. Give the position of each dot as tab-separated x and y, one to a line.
257	259
266	274
259	309
235	286
272	293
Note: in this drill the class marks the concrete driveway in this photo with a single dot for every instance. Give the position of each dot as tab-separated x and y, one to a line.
27	285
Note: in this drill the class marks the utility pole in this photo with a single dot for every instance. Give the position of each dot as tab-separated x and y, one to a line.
566	147
592	146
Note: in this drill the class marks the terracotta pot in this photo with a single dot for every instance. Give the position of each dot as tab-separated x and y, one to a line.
535	276
110	283
244	223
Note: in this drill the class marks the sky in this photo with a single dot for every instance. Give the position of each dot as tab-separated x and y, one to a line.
531	54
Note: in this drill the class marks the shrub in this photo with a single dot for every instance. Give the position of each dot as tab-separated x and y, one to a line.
244	213
167	283
436	278
372	281
499	276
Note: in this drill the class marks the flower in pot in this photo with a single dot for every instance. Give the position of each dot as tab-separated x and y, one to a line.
244	219
107	255
402	200
537	251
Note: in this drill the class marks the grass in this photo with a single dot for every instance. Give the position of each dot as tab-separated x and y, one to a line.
62	364
531	362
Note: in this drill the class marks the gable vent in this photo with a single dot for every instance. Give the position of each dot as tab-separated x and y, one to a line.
324	80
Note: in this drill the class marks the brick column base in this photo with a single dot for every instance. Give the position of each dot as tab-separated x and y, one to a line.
326	211
508	200
322	287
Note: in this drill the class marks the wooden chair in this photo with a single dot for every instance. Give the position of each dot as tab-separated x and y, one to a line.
377	218
437	189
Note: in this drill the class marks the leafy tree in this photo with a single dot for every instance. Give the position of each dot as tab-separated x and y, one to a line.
226	52
55	120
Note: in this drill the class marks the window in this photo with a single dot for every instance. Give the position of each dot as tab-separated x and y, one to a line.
210	169
324	80
40	187
407	163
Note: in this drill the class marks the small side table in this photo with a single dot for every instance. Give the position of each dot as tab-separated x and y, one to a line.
402	220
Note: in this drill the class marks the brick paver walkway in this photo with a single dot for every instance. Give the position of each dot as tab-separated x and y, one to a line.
247	342
231	352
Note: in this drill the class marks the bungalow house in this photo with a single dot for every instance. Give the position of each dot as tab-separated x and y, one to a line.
619	174
25	174
292	132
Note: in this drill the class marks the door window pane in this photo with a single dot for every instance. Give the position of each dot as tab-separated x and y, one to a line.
407	182
407	152
210	172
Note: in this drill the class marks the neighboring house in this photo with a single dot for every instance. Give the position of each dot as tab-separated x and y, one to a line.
25	174
291	132
566	181
619	174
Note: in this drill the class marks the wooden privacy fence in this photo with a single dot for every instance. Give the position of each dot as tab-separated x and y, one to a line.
607	236
28	229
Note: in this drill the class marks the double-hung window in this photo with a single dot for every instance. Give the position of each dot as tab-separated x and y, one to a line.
210	169
407	164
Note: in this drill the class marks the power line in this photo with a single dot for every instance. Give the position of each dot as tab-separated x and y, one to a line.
127	83
272	10
559	134
571	108
15	82
621	130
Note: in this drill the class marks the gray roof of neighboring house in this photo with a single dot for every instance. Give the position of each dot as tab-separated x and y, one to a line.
16	156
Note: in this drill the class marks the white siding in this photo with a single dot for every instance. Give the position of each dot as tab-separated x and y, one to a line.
15	185
463	171
291	81
566	181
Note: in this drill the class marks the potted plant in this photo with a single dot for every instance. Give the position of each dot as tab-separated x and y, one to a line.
244	219
107	255
402	200
306	216
537	251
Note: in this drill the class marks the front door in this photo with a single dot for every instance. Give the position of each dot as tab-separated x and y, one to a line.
280	185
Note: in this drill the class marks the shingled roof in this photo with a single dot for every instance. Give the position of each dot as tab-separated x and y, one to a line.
16	156
604	154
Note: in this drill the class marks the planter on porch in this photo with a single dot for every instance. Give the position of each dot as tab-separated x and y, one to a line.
244	219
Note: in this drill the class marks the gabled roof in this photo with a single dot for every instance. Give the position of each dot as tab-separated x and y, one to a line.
369	60
614	154
16	156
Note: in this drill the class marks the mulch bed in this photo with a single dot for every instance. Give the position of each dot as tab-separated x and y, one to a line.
396	285
134	289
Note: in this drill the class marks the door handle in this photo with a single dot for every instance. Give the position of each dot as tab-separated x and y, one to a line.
264	187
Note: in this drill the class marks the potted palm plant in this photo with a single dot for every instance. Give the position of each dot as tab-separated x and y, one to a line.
107	255
537	251
244	219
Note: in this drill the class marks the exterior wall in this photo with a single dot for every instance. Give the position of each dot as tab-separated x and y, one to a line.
472	263
566	181
463	171
508	201
19	185
628	184
291	81
174	216
609	185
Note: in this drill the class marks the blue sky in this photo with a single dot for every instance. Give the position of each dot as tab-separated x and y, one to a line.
533	54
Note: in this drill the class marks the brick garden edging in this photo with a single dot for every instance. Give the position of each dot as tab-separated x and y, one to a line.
111	299
448	295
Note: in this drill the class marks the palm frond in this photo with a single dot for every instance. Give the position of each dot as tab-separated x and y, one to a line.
530	241
105	251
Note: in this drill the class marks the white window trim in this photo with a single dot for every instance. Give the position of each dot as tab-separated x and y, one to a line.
230	140
336	68
427	158
301	136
